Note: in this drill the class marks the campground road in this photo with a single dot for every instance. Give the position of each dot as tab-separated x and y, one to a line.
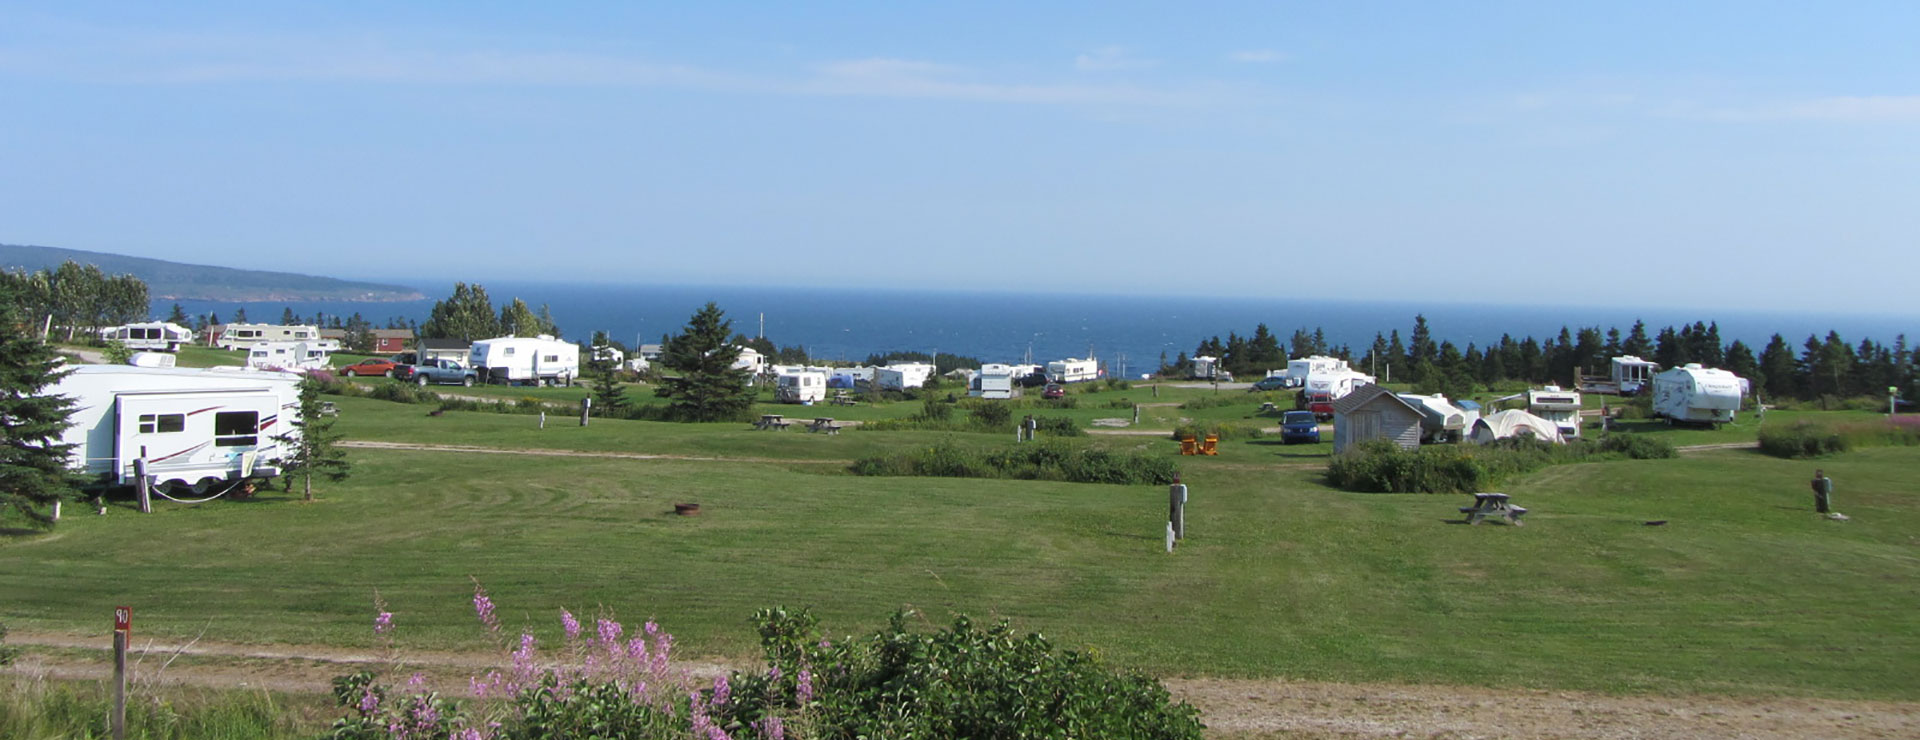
476	450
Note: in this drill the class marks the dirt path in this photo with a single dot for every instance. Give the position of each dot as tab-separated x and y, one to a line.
1232	708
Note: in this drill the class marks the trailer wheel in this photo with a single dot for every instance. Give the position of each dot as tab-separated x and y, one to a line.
467	381
202	486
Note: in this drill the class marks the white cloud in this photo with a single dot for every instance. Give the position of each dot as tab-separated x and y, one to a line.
1111	59
1257	56
1837	109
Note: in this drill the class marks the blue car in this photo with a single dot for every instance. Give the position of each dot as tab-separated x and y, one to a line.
1299	426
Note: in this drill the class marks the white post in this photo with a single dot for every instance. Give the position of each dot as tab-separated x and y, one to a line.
1170	537
543	420
1177	509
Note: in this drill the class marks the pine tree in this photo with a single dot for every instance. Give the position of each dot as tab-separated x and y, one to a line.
312	443
608	393
702	383
466	315
178	316
34	468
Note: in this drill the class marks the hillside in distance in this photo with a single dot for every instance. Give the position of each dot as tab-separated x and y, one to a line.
178	281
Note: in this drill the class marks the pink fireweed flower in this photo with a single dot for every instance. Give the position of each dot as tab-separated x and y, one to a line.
416	680
637	650
722	691
609	631
369	702
383	623
483	608
572	625
653	628
804	689
772	728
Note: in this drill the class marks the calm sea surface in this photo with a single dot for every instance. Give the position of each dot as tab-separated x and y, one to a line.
1128	333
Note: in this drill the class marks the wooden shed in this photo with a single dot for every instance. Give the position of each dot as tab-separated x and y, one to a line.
1373	412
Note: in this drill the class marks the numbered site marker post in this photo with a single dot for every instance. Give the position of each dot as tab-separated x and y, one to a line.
1177	509
122	632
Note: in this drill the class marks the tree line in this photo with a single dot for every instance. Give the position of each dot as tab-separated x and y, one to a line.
1822	366
469	315
75	297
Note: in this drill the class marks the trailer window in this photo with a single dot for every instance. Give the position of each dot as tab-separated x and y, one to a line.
236	428
162	423
508	352
550	358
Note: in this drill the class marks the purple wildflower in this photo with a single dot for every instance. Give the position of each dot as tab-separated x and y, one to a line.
804	690
383	623
722	691
369	702
483	608
572	625
416	680
772	728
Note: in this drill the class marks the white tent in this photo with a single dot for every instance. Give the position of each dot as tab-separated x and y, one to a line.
1514	423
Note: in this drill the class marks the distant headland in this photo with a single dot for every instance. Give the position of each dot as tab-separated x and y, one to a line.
177	281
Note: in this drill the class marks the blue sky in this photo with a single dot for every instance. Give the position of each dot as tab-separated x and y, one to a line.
1749	154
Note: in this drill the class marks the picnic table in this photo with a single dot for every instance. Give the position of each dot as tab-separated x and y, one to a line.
843	398
772	421
824	424
1492	504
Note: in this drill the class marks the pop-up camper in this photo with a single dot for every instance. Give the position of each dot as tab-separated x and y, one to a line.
157	336
196	428
541	360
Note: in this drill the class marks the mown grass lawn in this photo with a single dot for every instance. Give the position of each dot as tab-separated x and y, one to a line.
1744	590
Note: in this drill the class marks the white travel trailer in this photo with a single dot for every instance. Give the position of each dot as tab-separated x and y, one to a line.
242	336
1326	387
196	428
1626	375
1558	406
289	356
1073	370
157	336
800	386
1442	419
541	360
901	376
1696	395
1208	368
997	382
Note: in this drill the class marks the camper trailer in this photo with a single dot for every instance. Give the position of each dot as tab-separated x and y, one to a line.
1442	419
243	336
1558	406
1326	387
288	356
541	360
1626	375
196	428
1208	368
901	376
1073	370
1696	395
157	336
994	382
800	386
1300	369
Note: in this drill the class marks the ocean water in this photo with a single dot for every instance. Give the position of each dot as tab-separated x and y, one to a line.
1128	333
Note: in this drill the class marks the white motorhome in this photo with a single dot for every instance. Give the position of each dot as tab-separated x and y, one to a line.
1696	395
541	360
994	381
242	336
1301	368
751	361
902	375
1206	367
1324	388
1558	406
800	386
196	428
1073	370
1626	375
289	356
157	336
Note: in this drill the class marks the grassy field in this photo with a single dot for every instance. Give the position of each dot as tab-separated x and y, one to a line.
1744	591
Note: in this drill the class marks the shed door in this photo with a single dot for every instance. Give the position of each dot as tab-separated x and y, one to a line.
1365	425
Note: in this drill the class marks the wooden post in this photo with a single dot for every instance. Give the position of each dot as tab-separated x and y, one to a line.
1177	509
122	631
141	484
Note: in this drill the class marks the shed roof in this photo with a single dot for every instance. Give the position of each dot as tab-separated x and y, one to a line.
1364	395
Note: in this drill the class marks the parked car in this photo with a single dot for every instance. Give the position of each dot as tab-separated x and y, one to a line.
370	366
1270	383
1054	390
1299	426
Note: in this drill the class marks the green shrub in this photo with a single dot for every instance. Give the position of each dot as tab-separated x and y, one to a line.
991	415
1059	426
1047	460
1638	447
1220	430
1802	439
1380	466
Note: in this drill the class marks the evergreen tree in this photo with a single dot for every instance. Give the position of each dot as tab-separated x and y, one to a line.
609	394
312	444
466	315
1778	369
34	471
1740	361
179	316
701	382
240	315
288	318
1421	346
517	320
1637	344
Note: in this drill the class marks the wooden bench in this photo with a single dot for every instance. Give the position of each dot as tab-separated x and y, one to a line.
1492	504
824	424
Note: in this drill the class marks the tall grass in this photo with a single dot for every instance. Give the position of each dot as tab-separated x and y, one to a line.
35	709
1807	438
1048	460
1381	466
